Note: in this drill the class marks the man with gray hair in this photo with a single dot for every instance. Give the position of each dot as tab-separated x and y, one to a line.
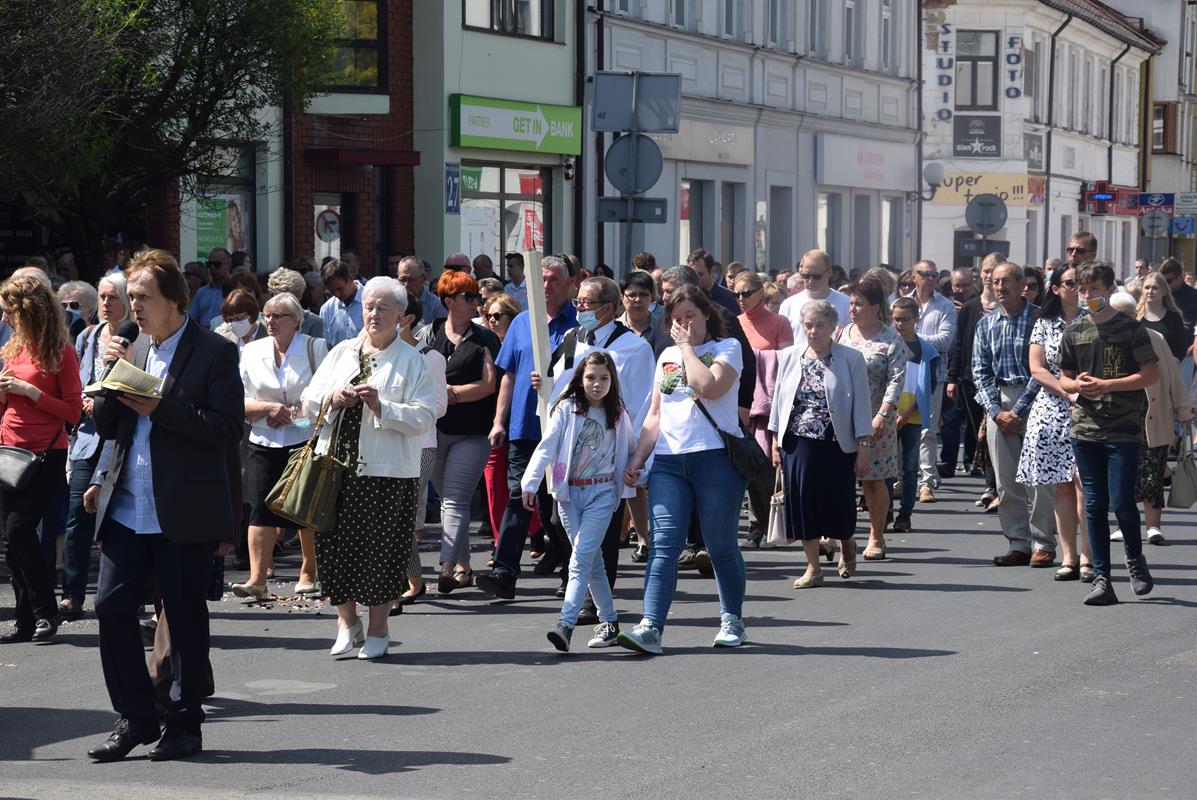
815	271
937	326
410	272
517	425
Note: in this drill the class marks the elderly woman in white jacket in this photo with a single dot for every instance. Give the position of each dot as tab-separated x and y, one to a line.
822	421
383	400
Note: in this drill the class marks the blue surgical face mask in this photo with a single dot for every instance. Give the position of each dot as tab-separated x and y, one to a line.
588	320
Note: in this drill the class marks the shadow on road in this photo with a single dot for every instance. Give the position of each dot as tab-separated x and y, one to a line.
224	709
27	729
367	762
759	648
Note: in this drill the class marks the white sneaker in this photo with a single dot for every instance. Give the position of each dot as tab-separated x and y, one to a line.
347	639
1116	535
375	647
1155	535
732	632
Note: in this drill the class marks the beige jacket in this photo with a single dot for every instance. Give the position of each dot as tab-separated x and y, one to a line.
1168	399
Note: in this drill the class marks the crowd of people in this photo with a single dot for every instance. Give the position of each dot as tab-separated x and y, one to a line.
1063	388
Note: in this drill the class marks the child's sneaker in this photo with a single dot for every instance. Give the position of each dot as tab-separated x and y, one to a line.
605	634
560	636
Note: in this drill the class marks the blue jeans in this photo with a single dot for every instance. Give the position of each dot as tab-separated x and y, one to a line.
909	438
586	518
80	532
1108	472
675	485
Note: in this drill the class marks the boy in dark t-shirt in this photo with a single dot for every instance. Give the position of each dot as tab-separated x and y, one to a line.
1107	360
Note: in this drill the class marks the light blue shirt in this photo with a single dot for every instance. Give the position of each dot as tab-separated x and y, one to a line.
206	304
133	498
432	307
519	292
341	320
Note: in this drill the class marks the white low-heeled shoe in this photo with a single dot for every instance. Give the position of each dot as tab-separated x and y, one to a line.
347	639
375	647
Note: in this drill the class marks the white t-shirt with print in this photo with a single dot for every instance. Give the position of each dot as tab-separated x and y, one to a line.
684	429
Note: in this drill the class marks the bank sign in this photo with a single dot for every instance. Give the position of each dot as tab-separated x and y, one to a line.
495	124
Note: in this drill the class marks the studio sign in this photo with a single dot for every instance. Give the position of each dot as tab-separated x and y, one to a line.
977	136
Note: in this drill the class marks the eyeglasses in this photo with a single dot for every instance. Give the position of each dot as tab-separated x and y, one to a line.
904	319
747	293
586	304
494	318
812	276
1076	249
73	305
927	273
271	317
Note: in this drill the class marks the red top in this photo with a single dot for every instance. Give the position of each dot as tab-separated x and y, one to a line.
765	330
39	426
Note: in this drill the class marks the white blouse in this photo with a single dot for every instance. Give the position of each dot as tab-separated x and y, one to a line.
282	383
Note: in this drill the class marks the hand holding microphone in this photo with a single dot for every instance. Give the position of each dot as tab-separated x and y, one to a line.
119	344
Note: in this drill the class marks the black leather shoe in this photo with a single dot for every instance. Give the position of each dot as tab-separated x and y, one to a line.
45	629
17	634
123	739
547	565
177	743
497	585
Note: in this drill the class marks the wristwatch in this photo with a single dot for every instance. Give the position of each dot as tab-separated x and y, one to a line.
883	413
865	443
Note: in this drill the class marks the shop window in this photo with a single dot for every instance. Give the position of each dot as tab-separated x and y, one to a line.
892	231
829	224
976	71
731	205
533	18
360	60
781	209
224	206
862	231
1163	127
505	209
696	216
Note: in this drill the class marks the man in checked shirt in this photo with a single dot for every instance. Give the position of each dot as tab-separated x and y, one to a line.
1005	390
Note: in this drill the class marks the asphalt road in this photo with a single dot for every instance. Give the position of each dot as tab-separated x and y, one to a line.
930	675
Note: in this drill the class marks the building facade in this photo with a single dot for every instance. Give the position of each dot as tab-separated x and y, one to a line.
798	129
1035	101
499	126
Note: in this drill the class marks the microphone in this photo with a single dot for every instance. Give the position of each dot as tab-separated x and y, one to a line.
128	332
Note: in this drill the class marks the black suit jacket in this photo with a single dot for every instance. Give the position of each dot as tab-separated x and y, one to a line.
197	424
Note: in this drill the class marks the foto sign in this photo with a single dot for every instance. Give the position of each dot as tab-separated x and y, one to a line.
495	124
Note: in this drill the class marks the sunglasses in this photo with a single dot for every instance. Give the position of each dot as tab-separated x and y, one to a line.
811	276
747	293
1076	249
905	286
494	318
926	273
73	305
469	297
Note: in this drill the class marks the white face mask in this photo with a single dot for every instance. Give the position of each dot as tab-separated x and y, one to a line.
240	327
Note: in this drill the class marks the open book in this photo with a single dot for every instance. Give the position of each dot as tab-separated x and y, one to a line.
127	379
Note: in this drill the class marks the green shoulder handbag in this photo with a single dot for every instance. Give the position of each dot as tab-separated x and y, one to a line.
310	484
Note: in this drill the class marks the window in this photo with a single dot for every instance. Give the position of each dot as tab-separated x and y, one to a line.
781	210
1102	128
623	6
816	22
851	50
887	36
505	209
731	204
828	225
514	17
776	23
731	19
360	61
891	231
1087	99
696	216
1116	134
976	71
1031	81
678	16
1163	128
1074	85
862	229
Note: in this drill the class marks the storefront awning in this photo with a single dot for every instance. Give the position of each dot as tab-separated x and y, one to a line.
373	158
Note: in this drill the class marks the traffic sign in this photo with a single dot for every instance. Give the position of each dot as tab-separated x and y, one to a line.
328	225
1181	226
1154	223
642	209
657	102
633	163
986	214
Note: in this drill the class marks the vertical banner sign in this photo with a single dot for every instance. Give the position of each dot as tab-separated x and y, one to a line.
211	225
452	188
538	322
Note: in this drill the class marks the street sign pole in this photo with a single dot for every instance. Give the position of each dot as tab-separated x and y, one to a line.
627	225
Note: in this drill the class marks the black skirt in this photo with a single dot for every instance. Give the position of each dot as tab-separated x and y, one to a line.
264	466
820	488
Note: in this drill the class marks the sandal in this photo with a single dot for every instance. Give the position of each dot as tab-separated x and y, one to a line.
827	549
445	583
1068	572
463	578
873	552
1087	573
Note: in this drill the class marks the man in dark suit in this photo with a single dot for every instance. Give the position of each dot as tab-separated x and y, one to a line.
163	503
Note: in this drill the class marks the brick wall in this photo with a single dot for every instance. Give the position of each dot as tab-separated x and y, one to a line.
356	184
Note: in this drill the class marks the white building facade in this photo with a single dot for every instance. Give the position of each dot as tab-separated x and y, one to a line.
1034	101
798	129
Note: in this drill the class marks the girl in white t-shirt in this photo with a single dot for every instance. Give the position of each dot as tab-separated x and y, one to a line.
585	448
691	469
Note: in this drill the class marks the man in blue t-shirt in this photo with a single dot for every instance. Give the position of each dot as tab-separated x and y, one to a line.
516	422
